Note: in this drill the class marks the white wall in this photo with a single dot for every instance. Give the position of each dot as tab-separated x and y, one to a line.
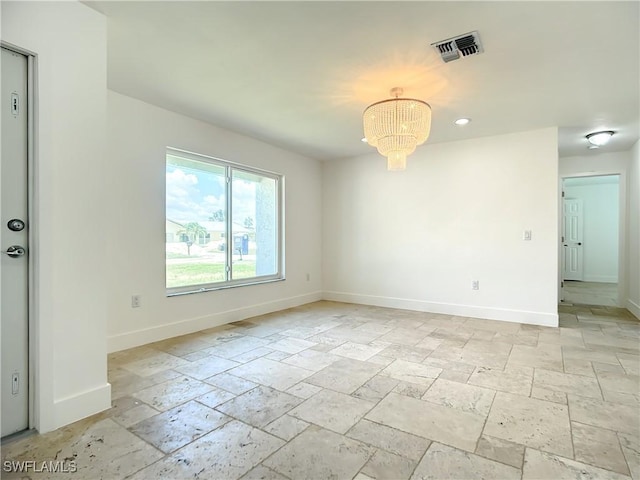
633	242
70	346
616	163
416	239
135	225
600	204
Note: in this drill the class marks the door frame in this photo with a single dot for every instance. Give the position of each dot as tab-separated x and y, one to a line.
32	199
622	226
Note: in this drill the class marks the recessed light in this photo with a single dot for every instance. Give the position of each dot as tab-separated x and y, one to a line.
462	121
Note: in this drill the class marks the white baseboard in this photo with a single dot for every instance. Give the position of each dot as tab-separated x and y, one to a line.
76	407
136	338
601	278
489	313
634	308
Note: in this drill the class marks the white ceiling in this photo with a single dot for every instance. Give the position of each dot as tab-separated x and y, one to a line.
299	74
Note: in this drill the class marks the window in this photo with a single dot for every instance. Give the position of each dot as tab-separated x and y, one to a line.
224	224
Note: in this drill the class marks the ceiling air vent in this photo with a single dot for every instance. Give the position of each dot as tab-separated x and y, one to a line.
465	45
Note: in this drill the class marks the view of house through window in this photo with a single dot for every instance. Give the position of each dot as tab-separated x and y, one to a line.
222	224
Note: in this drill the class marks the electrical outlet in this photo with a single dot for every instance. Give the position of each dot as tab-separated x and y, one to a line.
475	285
526	235
135	301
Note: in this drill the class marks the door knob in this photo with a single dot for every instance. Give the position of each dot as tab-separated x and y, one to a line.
15	251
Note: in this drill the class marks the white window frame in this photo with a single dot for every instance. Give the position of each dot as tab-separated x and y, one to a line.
229	168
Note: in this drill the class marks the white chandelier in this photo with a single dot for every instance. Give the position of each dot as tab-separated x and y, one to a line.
396	127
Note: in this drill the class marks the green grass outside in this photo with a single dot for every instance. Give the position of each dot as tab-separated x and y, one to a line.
180	275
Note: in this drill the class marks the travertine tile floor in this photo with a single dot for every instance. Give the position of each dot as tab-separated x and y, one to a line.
592	293
344	391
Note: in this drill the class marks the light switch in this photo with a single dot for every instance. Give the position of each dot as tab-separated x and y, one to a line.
526	235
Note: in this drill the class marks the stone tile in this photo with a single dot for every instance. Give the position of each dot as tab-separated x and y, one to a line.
501	451
403	336
406	352
252	355
102	449
286	427
277	356
390	439
517	338
616	382
134	415
466	398
619	342
429	420
589	354
231	383
444	462
411	389
384	465
579	367
376	388
228	452
380	360
319	453
631	450
614	416
270	373
412	372
512	417
623	398
215	397
154	363
304	390
237	346
206	367
608	367
357	351
517	380
312	360
260	406
175	428
539	465
262	473
291	345
172	393
345	375
549	395
333	410
342	334
428	343
455	376
630	363
561	339
565	382
543	356
597	446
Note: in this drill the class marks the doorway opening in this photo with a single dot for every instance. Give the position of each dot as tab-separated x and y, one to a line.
590	237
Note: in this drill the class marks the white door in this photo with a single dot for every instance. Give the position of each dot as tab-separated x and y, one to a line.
572	239
14	264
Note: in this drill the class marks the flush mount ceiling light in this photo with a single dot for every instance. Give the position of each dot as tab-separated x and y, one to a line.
462	121
598	139
396	127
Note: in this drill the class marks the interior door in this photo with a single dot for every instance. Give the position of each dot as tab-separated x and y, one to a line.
14	264
572	239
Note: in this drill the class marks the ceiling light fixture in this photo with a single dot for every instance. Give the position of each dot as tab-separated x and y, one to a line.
462	121
600	138
396	127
